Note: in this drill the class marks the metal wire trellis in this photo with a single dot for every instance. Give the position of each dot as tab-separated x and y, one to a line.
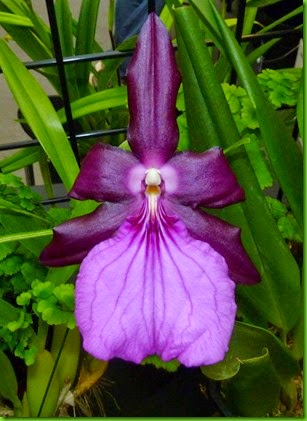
60	62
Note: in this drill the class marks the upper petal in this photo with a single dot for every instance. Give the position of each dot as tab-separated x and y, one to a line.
108	174
155	291
223	237
201	179
73	239
153	81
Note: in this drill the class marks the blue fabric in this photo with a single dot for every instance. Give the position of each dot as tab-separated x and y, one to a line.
130	15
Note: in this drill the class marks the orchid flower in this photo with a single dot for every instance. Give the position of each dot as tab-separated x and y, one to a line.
158	274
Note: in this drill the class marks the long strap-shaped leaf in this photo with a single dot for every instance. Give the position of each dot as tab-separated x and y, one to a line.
40	115
285	156
276	298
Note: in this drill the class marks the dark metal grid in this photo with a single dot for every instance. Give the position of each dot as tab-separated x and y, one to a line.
59	61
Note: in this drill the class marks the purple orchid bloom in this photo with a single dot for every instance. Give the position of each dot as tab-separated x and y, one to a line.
158	274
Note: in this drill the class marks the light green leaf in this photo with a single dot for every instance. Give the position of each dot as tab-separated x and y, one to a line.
258	163
8	384
85	41
40	115
155	360
8	313
109	98
21	159
11	19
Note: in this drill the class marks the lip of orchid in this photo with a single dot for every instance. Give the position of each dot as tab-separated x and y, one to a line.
162	252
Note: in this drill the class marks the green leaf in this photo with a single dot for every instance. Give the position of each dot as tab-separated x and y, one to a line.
300	108
9	18
109	98
155	360
8	384
287	225
65	26
35	42
248	342
262	3
85	41
8	313
285	157
40	115
38	377
24	299
255	390
211	124
259	164
35	239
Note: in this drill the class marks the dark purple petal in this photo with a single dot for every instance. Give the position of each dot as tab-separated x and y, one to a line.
223	237
108	174
73	239
153	81
155	291
205	179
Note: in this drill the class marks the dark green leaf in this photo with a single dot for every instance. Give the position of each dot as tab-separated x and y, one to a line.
211	124
248	342
255	390
285	157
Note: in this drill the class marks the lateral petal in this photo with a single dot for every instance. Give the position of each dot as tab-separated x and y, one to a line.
155	290
153	81
73	239
108	174
223	237
201	179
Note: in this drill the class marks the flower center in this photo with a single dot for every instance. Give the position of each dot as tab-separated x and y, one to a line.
153	177
152	181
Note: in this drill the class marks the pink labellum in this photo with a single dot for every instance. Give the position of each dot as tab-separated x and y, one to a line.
153	289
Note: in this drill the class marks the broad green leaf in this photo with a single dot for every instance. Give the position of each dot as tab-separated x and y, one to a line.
8	384
67	366
285	157
255	390
248	342
42	396
40	115
109	98
210	123
10	19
